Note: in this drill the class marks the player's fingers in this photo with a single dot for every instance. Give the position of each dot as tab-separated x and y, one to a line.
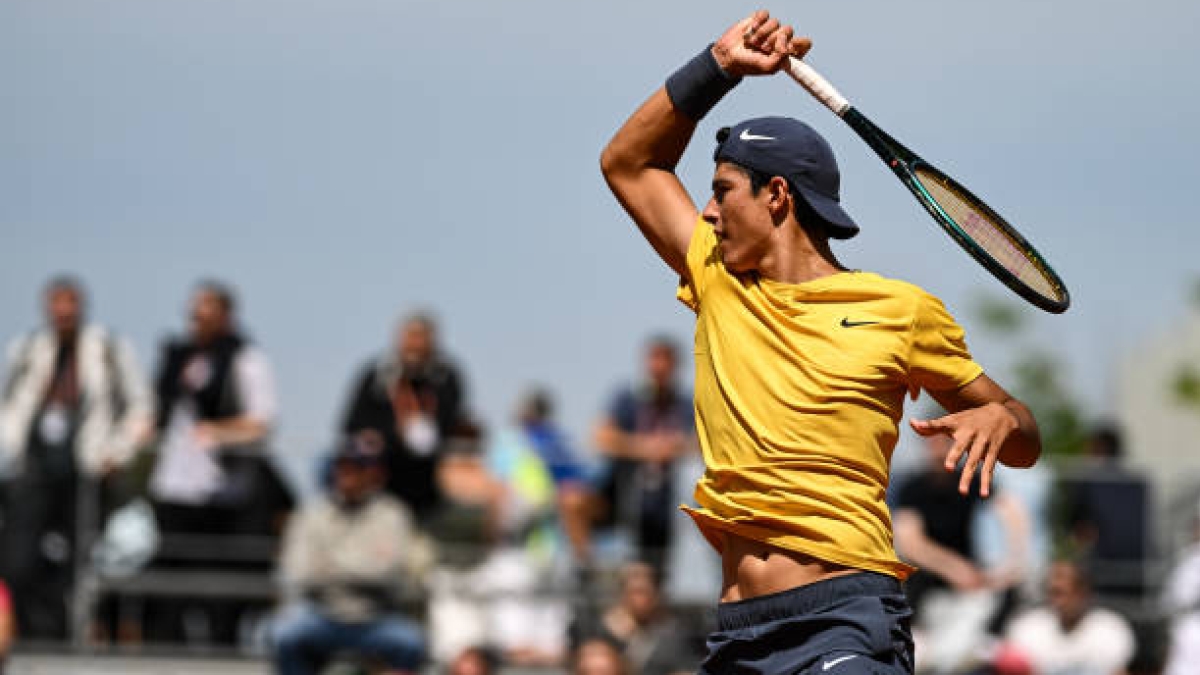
974	457
931	427
746	26
781	41
760	37
989	469
961	445
799	46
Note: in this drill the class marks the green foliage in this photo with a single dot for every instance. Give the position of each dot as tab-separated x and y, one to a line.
999	316
1185	387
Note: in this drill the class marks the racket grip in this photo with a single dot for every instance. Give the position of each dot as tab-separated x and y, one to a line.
816	85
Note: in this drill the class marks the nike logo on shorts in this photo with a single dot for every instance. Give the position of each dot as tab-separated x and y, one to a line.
833	662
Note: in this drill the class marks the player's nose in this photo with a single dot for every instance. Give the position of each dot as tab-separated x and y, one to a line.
711	213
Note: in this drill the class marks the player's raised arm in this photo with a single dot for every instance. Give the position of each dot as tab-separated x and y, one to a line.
639	162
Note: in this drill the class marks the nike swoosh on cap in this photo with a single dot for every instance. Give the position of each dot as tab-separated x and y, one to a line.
747	136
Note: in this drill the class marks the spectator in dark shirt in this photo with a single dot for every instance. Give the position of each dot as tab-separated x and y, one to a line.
955	598
647	427
1106	506
413	396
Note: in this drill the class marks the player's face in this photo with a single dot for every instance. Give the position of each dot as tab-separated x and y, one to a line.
741	219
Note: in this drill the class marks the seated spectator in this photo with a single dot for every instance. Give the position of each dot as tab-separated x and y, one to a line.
597	656
349	559
954	598
647	426
474	661
413	397
651	640
75	408
1070	635
502	597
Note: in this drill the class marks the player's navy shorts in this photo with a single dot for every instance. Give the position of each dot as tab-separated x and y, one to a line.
856	624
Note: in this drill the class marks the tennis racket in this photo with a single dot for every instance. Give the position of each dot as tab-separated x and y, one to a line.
978	229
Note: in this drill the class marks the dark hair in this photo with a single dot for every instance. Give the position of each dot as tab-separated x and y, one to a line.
65	282
809	219
1106	441
665	342
222	292
538	404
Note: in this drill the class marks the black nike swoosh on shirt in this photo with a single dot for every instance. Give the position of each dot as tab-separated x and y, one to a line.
847	323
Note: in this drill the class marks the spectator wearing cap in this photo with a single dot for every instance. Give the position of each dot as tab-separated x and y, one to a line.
348	562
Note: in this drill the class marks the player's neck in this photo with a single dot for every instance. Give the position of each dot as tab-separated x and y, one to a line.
797	258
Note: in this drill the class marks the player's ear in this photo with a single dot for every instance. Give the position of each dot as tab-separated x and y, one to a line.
780	198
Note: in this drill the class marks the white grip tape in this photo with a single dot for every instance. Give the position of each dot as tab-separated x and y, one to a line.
816	85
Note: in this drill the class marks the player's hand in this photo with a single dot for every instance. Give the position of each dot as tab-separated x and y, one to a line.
978	434
758	45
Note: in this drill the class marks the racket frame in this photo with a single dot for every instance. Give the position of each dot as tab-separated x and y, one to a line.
905	163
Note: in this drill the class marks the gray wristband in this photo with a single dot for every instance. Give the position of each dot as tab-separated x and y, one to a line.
697	86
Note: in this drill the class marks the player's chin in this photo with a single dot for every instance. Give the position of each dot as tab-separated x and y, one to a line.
734	264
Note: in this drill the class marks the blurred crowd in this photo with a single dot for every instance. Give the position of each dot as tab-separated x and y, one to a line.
140	511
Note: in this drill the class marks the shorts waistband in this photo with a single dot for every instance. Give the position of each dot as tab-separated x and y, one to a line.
803	599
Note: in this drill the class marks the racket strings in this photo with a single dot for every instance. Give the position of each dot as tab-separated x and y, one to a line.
988	234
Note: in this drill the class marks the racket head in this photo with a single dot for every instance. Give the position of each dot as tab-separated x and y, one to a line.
976	227
986	236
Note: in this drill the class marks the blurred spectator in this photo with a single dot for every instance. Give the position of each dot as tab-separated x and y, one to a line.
1181	604
572	494
954	598
651	640
1069	636
474	661
647	426
504	596
217	406
213	475
598	656
414	397
7	629
75	406
1106	509
349	559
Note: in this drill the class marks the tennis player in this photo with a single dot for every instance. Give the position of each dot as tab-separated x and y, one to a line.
802	366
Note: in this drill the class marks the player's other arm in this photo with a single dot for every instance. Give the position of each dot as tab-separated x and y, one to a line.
639	162
988	425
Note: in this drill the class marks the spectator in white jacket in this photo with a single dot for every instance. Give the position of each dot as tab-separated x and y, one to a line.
74	404
1070	635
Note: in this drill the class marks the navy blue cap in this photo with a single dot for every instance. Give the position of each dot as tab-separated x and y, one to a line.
781	146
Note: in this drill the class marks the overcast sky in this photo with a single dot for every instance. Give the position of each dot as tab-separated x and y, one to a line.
343	163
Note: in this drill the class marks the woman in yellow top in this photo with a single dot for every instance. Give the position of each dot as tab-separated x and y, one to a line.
802	367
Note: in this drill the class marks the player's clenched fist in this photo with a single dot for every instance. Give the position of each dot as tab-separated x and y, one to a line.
758	45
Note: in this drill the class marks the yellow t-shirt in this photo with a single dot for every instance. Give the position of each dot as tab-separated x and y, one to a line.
799	393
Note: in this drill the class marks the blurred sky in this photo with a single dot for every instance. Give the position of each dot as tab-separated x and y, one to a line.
346	162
